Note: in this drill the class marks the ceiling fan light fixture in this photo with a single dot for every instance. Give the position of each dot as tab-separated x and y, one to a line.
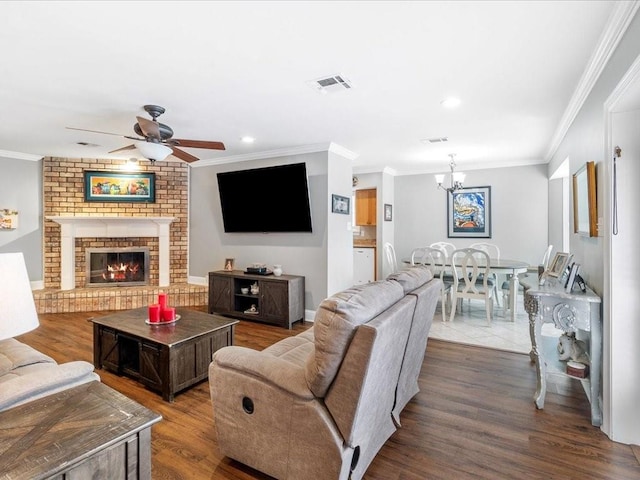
156	152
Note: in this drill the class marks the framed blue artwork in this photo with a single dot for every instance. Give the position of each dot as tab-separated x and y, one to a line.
469	213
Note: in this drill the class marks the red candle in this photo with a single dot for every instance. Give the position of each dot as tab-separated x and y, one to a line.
154	313
168	314
162	300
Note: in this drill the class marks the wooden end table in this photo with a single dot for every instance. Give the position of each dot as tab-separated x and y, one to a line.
165	358
88	431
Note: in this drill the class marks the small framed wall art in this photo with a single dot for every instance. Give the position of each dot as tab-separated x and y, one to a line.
340	204
388	212
469	213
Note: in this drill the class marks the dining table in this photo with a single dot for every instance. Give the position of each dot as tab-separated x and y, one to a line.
507	267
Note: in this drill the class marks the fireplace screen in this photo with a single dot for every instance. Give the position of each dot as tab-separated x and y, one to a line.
117	266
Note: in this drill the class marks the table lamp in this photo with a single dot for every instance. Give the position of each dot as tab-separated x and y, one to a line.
17	309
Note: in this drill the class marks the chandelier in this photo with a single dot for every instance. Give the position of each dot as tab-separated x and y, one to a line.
457	178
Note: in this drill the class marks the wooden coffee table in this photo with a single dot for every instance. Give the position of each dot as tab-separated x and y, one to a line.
165	358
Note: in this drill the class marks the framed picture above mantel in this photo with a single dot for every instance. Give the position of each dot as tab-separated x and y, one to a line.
103	186
469	213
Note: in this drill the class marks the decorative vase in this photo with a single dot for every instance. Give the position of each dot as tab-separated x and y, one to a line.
277	270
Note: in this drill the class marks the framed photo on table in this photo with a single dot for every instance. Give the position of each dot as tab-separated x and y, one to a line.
558	264
469	213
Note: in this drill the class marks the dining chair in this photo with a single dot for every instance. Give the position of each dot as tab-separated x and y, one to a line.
533	270
446	247
437	261
472	279
493	251
390	257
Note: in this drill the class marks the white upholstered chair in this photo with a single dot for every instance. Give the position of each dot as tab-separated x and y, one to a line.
472	279
437	262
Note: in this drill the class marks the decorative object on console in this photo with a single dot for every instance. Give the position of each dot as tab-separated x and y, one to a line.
103	186
277	270
577	369
571	279
558	264
469	213
154	313
8	219
17	308
571	349
228	264
255	289
340	204
457	178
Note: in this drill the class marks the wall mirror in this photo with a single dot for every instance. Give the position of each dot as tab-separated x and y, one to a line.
585	214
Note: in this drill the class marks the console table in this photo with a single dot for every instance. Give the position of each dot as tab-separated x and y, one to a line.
569	312
278	300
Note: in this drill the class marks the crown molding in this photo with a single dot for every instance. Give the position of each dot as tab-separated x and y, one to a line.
20	156
619	20
476	166
281	152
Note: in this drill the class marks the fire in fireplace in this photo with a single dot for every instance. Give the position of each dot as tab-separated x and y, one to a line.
128	266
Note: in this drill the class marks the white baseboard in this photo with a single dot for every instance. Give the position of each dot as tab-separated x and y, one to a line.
309	315
198	281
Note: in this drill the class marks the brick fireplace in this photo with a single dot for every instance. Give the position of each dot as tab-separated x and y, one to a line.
72	225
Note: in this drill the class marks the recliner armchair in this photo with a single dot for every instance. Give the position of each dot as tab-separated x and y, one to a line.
321	404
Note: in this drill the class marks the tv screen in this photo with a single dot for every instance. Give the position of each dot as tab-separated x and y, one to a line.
271	199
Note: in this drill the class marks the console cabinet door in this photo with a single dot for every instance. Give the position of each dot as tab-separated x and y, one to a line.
274	302
150	373
220	294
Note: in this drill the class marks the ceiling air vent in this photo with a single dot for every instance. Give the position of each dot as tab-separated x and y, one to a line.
334	83
435	140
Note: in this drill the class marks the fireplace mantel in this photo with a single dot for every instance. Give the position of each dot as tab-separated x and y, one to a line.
73	227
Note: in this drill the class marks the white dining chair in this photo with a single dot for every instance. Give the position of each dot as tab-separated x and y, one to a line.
471	279
493	251
437	261
446	247
390	257
533	270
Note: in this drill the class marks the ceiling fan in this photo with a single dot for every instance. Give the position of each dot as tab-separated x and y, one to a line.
157	142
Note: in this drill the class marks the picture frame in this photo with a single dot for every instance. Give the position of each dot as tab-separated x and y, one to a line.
388	212
469	213
105	186
557	265
585	211
572	277
228	264
340	204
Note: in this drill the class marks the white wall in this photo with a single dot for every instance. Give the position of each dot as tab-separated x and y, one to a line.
21	190
556	217
339	226
519	197
625	302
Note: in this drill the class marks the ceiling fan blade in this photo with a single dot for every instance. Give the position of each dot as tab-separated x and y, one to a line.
128	147
104	133
199	144
182	155
149	128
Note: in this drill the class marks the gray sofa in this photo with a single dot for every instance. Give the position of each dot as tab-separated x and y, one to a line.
27	374
321	404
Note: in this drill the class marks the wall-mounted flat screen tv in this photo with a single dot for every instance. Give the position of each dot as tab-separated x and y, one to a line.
271	199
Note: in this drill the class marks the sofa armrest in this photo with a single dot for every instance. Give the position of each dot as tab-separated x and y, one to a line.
264	367
35	381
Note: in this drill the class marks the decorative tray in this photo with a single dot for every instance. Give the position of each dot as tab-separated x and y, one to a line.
162	323
251	312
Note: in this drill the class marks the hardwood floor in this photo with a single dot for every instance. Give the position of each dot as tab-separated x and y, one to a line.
474	417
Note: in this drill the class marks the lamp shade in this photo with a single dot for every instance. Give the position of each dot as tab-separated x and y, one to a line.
439	178
17	309
153	151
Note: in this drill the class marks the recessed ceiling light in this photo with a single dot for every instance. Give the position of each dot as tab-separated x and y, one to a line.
435	140
247	139
450	102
